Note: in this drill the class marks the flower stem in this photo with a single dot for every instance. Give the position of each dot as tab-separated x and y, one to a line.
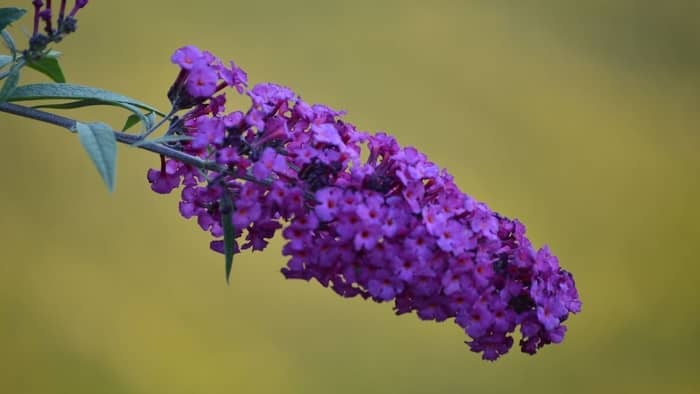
157	125
130	139
124	138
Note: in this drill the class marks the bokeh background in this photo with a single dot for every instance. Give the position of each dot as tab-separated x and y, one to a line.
578	117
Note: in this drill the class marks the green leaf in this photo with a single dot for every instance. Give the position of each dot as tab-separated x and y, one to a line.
101	145
9	15
5	60
130	122
9	42
73	104
229	233
10	82
146	119
42	91
49	67
163	139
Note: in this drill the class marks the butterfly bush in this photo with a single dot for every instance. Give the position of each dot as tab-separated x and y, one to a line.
389	227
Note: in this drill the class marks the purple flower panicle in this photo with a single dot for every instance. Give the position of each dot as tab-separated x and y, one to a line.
394	227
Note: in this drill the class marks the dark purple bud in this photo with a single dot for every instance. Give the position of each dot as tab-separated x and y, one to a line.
38	42
78	5
37	7
45	16
69	25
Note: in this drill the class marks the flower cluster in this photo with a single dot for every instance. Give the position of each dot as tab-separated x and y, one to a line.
65	24
201	76
391	227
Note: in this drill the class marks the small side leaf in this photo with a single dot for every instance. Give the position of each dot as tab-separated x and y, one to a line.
130	122
9	15
229	233
48	66
10	82
148	120
101	145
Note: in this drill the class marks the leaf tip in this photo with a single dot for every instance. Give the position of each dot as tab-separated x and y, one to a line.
99	142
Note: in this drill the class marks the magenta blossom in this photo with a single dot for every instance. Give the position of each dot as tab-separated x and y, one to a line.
393	227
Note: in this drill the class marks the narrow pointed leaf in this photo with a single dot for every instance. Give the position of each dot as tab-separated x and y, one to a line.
10	84
73	104
229	233
42	91
130	122
9	15
146	119
49	66
101	145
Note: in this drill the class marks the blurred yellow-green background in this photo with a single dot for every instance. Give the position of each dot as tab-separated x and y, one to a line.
578	117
